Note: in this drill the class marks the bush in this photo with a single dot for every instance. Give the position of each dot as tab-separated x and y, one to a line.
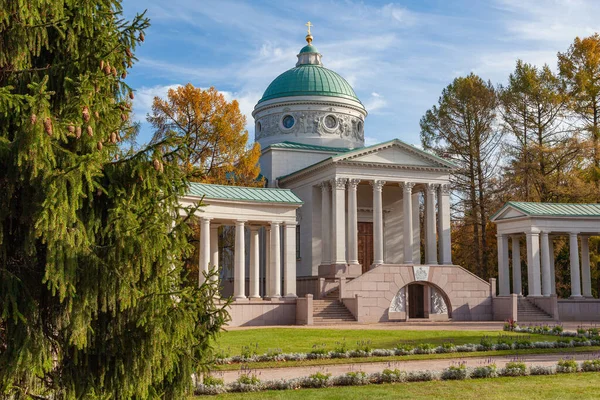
210	380
446	348
523	344
420	376
424	348
249	351
591	365
514	368
403	349
318	380
319	350
581	342
486	343
282	384
203	390
358	378
563	342
455	372
248	379
567	366
340	347
388	376
593	332
382	353
486	371
541	370
364	345
510	325
246	383
557	329
466	348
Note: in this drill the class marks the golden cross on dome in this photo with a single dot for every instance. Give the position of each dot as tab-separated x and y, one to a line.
308	24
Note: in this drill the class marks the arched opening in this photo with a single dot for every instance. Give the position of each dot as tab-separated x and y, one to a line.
420	300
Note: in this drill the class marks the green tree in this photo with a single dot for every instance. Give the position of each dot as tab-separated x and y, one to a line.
93	295
543	153
462	127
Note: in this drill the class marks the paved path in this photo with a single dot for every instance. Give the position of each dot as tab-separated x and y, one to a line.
416	365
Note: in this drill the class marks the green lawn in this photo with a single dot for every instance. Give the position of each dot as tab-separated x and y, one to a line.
581	386
290	340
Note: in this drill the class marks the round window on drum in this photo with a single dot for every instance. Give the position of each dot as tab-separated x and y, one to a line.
330	122
288	121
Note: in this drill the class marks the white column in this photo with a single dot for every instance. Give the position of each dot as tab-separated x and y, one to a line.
586	278
268	274
325	223
254	263
377	222
546	281
444	244
416	227
289	262
214	246
574	255
239	278
408	221
516	266
352	222
204	250
431	240
533	263
338	191
552	268
503	272
275	260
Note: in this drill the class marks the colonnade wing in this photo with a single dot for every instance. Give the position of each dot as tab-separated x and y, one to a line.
540	224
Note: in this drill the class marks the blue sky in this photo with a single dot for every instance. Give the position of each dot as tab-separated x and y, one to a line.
398	56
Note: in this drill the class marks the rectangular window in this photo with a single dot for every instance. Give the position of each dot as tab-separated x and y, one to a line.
298	242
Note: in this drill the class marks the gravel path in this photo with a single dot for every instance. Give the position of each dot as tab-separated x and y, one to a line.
416	365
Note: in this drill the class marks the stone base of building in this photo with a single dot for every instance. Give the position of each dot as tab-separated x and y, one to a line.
340	270
251	312
583	309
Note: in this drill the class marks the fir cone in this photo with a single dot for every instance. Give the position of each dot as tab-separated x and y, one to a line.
78	132
71	129
99	146
113	137
107	69
142	37
157	165
90	131
131	96
33	119
101	65
114	72
124	117
128	52
48	126
97	115
124	75
129	64
85	114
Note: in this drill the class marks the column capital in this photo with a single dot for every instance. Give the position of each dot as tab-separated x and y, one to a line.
339	183
532	233
432	187
324	186
290	223
407	186
240	221
274	223
206	218
445	189
544	233
254	227
574	233
377	184
353	183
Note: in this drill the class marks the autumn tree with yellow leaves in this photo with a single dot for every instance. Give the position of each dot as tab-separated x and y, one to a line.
215	131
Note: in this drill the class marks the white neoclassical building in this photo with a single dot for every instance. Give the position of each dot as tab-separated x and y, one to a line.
537	226
342	231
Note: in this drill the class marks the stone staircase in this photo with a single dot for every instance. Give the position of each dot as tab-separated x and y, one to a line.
330	311
527	311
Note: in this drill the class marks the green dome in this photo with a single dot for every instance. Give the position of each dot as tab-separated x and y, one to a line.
309	80
309	48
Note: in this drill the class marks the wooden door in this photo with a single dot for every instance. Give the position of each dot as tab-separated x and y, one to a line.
365	245
416	301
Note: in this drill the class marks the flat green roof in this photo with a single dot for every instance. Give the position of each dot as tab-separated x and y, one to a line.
242	193
301	146
553	209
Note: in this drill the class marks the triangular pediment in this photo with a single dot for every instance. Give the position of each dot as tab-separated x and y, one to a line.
508	211
394	152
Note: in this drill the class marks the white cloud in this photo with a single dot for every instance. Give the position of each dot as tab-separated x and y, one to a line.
370	141
375	102
144	97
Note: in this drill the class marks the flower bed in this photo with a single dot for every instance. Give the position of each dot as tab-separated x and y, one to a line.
250	383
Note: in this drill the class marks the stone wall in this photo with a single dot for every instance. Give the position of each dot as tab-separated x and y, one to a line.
579	309
263	312
468	295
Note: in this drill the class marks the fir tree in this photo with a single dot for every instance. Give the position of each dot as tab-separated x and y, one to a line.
93	299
